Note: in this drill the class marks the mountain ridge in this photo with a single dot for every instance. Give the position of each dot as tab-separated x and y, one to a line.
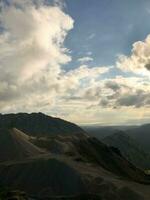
39	124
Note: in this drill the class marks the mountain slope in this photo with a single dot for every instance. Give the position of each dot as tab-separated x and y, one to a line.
110	159
38	124
103	131
91	150
57	177
99	131
142	135
129	148
14	145
42	176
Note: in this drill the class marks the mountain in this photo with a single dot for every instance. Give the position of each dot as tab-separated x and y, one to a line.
88	149
139	133
64	164
99	131
100	171
14	145
142	135
43	176
103	131
129	148
38	124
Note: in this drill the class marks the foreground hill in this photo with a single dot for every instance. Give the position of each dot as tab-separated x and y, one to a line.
38	124
88	167
98	172
129	148
55	177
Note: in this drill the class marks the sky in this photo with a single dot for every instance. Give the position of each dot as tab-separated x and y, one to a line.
86	61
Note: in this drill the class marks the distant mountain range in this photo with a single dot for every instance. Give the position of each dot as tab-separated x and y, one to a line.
49	158
140	133
129	148
132	141
100	131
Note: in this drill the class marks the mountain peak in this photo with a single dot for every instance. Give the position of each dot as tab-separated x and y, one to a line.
39	124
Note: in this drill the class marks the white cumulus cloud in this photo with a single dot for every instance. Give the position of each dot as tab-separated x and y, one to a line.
32	39
85	59
139	61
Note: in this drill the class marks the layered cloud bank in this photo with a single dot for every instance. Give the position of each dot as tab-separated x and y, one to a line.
32	78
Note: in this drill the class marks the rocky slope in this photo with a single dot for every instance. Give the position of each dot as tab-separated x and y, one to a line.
14	145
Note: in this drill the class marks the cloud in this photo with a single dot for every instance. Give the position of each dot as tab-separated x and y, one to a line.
31	49
31	57
91	36
112	85
126	92
60	3
116	93
28	46
138	98
73	81
89	53
97	103
85	59
139	61
32	78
